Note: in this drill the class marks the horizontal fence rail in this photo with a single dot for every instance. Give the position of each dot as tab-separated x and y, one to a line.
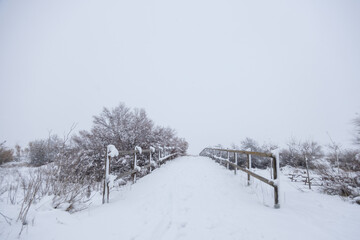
217	153
164	154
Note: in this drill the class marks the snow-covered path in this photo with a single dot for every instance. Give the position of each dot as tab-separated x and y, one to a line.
195	198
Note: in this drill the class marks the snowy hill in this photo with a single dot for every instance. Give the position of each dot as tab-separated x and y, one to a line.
195	198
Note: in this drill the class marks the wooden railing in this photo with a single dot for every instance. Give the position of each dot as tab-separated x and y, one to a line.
216	153
164	154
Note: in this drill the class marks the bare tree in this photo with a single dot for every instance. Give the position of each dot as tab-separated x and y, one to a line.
124	128
356	122
335	151
311	151
250	144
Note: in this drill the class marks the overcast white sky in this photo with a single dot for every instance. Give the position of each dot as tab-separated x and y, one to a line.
215	70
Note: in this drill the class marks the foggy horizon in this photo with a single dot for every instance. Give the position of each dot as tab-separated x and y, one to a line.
214	71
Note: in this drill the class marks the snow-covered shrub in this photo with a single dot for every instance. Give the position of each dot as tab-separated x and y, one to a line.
249	144
13	192
6	155
342	183
297	152
30	187
44	151
349	161
71	197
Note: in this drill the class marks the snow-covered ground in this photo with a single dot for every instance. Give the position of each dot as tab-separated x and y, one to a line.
195	198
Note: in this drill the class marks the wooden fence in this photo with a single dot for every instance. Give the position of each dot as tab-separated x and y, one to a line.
164	154
217	153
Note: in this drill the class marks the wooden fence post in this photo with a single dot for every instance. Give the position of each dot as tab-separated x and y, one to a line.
135	167
104	192
249	167
276	178
307	171
236	162
228	159
220	155
159	156
106	180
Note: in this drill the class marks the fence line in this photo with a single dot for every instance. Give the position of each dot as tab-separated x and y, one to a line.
213	152
163	157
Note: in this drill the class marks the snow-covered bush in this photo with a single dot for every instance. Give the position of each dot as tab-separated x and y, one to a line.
342	183
297	152
6	155
347	160
44	151
249	144
31	186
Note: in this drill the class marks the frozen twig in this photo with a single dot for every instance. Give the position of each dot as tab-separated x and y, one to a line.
7	219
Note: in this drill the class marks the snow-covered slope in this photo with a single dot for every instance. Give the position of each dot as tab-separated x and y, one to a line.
195	198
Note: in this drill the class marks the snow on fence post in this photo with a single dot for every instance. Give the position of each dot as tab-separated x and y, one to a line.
111	151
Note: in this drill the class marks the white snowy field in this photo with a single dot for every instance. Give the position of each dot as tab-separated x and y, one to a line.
195	198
